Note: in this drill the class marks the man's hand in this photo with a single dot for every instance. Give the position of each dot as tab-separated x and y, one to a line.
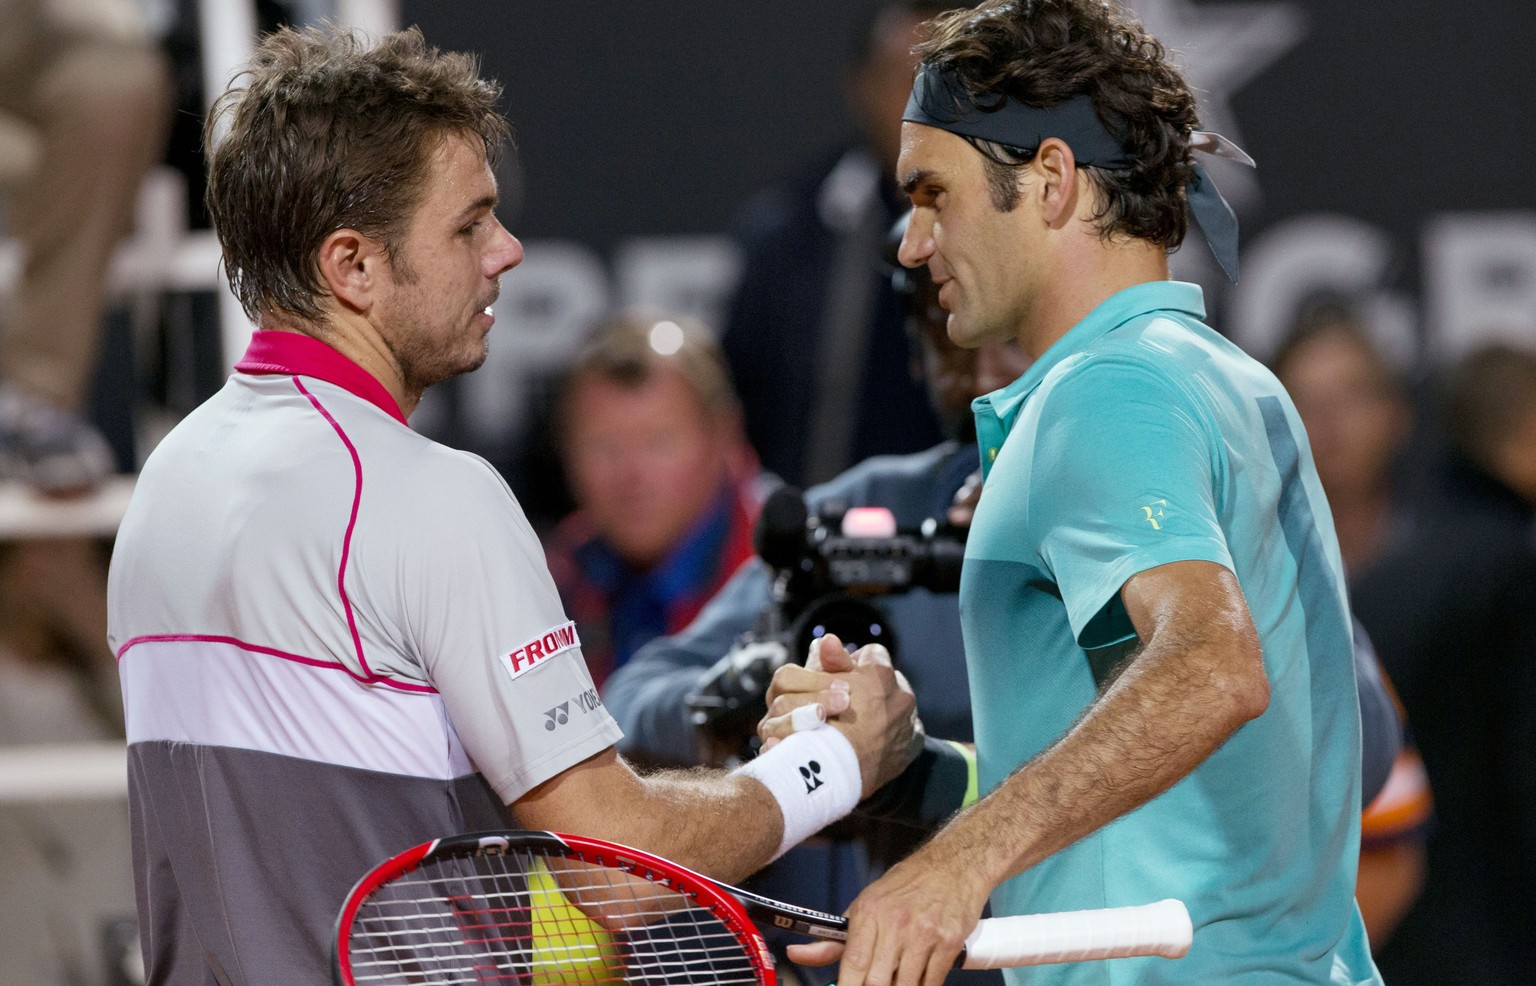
794	686
860	694
963	507
908	927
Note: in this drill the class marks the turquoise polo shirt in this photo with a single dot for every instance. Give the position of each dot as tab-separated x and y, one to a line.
1142	437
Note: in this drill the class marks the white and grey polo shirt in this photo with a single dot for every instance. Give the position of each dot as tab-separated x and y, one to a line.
336	639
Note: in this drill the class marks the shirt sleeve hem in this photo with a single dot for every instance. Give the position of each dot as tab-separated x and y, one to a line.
513	785
1164	553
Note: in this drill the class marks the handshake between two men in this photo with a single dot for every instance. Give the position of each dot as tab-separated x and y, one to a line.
861	694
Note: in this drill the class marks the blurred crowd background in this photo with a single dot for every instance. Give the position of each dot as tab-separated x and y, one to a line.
704	193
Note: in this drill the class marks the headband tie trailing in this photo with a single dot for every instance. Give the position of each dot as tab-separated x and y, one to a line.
939	99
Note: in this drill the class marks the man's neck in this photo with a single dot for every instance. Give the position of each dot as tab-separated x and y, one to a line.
357	340
1084	279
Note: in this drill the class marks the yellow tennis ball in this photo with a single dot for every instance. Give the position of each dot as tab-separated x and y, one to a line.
569	948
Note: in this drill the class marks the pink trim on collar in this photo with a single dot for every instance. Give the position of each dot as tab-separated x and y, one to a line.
292	353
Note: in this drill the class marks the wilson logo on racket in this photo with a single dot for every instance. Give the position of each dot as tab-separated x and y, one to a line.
811	772
554	641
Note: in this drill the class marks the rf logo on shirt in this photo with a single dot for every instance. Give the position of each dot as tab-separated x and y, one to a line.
1154	513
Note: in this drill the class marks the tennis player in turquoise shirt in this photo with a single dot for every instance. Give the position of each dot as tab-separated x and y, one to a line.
1157	635
1142	438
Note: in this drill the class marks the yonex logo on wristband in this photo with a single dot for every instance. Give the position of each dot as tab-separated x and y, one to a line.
813	775
811	772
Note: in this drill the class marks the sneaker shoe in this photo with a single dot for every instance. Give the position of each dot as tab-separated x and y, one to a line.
54	451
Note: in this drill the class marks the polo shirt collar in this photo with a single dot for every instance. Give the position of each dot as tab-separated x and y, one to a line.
296	354
1110	314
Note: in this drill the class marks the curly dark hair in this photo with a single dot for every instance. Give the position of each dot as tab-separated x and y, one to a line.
327	132
1045	52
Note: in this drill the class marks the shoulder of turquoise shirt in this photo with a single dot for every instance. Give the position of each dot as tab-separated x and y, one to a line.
1111	313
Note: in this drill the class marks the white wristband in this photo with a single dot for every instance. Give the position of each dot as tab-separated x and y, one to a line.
814	776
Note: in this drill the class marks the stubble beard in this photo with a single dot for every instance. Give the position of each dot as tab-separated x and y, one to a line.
426	358
424	363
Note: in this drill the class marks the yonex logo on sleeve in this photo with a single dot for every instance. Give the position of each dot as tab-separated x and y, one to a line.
555	641
561	714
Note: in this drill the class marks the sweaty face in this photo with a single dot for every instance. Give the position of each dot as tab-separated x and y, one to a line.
445	274
957	376
979	257
644	461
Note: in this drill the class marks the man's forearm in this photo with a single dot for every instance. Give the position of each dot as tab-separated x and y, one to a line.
1165	714
724	825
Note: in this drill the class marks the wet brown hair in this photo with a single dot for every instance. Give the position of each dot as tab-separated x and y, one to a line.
1045	52
328	132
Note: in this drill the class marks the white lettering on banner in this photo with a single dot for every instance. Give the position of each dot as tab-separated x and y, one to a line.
678	275
547	305
556	640
550	303
1479	277
1293	262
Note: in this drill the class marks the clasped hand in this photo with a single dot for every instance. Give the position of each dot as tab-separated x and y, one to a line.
858	693
908	926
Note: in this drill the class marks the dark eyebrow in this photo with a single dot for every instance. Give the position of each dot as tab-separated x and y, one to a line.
482	204
914	178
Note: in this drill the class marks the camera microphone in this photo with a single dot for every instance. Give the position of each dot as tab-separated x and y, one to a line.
779	537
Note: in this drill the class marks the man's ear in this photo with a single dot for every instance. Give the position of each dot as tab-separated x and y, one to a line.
1056	168
354	267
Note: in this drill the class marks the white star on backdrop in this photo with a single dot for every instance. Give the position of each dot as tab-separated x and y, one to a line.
1221	47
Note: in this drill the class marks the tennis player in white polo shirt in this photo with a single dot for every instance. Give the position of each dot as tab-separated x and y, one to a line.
337	638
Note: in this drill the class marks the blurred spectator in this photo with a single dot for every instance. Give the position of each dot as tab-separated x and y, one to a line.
648	696
664	482
65	874
58	682
84	98
1452	609
814	333
1358	420
1396	822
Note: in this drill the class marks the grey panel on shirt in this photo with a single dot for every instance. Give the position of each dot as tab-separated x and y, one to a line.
257	880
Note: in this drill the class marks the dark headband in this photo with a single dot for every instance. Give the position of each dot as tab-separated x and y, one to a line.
939	99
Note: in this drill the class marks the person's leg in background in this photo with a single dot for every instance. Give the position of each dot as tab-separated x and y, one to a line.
97	95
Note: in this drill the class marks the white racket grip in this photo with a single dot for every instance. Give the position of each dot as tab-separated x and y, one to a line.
1162	929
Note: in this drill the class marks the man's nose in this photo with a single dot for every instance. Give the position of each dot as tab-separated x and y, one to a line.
506	254
916	243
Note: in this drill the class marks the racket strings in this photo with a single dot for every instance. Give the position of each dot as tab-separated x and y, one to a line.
521	917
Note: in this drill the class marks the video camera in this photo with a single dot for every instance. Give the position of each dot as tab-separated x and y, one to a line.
827	567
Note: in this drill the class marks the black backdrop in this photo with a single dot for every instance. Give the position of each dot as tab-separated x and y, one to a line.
1395	143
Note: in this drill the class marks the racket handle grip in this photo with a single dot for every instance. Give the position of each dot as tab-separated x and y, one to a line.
1161	929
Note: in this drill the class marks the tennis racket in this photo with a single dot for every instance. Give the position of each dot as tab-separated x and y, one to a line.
538	908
